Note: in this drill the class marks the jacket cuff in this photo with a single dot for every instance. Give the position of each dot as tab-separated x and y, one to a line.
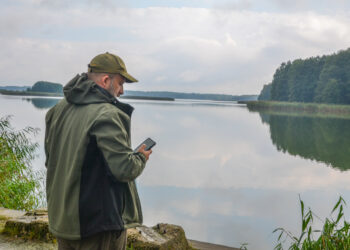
142	156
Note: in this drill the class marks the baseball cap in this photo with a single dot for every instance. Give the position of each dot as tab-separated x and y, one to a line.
110	63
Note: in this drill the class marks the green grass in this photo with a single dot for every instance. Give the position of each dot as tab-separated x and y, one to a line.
297	108
19	185
334	235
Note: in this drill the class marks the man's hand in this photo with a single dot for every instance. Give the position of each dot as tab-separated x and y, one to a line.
144	152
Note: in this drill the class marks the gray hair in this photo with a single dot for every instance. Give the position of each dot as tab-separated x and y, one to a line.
96	77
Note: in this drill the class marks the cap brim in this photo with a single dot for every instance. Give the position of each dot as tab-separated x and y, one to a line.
128	78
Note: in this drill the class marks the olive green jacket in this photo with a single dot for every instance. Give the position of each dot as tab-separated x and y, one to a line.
91	166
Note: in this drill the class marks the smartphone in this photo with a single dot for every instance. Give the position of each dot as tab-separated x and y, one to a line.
149	144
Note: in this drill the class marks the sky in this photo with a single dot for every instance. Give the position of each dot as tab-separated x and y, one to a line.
202	46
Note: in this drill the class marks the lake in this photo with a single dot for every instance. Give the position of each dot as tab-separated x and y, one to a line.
226	175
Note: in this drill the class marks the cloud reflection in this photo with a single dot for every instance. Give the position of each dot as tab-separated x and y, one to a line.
225	148
215	172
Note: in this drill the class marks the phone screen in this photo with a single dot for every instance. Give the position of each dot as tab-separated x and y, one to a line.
149	144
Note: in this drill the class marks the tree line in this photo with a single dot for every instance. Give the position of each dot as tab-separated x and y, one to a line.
47	87
50	87
324	79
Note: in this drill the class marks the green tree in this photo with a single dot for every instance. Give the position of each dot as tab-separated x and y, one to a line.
47	87
19	184
265	93
280	88
303	78
333	92
335	74
323	79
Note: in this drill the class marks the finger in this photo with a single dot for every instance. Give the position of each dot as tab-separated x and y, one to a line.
142	148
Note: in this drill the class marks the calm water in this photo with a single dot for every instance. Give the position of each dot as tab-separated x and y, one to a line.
227	175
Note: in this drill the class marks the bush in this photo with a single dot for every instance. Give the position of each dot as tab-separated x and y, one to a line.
19	184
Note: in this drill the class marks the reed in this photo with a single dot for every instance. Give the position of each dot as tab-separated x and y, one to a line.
334	235
317	109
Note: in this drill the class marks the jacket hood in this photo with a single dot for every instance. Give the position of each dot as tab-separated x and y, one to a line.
81	90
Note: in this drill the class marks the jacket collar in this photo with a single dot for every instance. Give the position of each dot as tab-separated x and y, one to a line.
126	108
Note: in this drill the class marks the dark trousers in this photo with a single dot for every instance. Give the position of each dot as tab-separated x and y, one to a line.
110	240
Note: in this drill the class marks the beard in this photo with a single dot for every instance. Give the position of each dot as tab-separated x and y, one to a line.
111	90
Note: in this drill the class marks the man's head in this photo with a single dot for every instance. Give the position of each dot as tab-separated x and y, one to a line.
109	72
113	83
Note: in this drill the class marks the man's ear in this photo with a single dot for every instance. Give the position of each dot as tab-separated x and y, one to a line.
105	81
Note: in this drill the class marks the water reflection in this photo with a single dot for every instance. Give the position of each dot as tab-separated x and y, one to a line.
43	103
215	171
321	139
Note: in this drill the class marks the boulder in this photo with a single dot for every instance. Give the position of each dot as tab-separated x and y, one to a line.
34	226
159	237
7	214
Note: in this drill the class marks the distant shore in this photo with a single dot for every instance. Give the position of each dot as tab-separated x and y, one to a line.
314	109
31	93
147	98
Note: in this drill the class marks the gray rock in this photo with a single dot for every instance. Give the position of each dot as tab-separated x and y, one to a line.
161	236
21	230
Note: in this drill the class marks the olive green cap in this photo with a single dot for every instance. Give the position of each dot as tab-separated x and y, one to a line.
110	63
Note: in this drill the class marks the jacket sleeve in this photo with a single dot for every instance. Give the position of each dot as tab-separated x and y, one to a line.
112	140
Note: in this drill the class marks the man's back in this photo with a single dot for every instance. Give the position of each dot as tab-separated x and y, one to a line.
91	166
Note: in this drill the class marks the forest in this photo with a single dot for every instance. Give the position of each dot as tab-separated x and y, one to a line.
47	87
324	79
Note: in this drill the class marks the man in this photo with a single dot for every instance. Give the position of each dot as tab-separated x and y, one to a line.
91	168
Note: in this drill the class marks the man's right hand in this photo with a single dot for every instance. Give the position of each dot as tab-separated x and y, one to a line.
144	152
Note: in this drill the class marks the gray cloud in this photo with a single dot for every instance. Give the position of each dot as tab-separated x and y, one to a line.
235	5
323	6
175	49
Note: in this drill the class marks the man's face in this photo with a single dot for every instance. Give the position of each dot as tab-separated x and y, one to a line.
116	86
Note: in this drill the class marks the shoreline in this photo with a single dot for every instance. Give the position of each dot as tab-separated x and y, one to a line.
44	94
296	108
29	93
29	230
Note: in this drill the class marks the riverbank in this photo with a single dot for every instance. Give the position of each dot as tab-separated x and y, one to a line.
147	98
29	93
29	230
296	108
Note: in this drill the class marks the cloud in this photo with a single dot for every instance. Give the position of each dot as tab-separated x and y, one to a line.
310	5
185	49
235	5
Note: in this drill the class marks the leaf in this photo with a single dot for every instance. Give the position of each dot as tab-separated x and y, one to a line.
337	204
340	215
309	233
302	207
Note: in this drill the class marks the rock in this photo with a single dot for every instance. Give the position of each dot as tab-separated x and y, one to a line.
8	242
6	214
159	237
33	225
10	213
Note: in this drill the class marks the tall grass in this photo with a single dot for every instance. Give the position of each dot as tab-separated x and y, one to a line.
334	235
299	108
20	186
